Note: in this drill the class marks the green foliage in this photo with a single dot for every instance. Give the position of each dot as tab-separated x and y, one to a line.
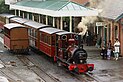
3	8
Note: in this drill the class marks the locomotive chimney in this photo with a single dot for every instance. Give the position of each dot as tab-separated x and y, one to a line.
80	42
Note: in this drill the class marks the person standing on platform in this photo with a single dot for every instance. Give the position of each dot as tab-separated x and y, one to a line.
103	53
109	49
116	49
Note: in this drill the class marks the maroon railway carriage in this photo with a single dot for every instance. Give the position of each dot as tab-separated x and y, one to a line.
16	37
33	33
48	40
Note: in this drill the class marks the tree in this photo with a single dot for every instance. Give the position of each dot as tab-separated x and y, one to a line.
3	7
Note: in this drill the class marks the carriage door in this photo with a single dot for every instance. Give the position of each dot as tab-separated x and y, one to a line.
31	37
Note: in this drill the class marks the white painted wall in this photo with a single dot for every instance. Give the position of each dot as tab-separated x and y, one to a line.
8	2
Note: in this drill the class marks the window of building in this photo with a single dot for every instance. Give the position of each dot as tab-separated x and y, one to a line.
50	20
36	17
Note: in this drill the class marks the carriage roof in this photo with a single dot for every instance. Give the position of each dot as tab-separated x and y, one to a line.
51	30
7	15
13	25
35	24
19	20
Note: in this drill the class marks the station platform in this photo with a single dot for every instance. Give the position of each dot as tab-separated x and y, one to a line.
105	70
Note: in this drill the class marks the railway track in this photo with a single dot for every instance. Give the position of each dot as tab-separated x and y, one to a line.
82	77
34	66
11	75
37	70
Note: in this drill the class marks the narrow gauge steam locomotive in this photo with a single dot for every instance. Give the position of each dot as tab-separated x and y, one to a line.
65	47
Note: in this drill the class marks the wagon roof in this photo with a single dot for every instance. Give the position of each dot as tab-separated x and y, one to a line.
35	24
19	20
64	32
7	15
13	25
50	30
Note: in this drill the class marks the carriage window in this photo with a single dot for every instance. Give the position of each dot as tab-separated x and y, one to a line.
46	39
28	31
42	36
31	32
34	33
50	40
53	40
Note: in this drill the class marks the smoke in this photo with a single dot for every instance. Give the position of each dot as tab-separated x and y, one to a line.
97	4
86	21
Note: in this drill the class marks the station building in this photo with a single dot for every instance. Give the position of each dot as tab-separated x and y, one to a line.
62	14
111	24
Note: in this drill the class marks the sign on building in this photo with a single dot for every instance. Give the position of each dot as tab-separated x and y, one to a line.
99	23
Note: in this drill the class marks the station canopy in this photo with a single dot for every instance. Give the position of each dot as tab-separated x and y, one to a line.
54	8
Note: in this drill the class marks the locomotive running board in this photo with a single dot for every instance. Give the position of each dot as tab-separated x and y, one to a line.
62	60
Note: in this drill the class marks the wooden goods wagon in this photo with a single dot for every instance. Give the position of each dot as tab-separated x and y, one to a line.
16	37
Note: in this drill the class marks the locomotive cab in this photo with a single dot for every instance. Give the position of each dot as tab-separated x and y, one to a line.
64	43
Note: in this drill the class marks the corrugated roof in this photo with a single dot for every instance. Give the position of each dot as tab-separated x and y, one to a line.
56	5
54	8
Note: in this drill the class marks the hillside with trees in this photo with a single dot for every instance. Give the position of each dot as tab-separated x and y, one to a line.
3	8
